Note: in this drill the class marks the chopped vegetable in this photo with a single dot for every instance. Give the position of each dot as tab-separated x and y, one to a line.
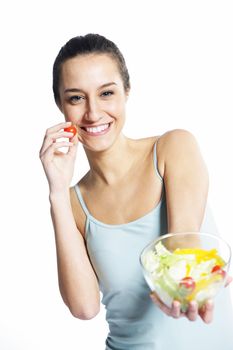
184	274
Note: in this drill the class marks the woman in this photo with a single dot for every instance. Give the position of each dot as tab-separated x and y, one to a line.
134	191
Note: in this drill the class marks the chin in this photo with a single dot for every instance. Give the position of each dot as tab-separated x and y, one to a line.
98	145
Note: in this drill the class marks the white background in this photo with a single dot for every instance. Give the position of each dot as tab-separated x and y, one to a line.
179	55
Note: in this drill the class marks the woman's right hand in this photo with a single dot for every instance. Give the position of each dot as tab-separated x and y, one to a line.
58	166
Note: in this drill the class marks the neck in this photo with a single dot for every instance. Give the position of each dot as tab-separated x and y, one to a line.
111	166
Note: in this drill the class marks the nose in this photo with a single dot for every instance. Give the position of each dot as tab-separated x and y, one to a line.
93	112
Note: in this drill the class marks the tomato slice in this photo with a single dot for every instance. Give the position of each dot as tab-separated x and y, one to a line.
218	270
188	283
71	129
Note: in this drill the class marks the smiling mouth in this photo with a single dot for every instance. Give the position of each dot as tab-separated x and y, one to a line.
97	130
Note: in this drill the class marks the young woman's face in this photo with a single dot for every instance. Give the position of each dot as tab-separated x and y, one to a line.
93	98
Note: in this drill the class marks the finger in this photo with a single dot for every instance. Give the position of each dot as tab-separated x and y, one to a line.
228	280
50	138
175	309
49	153
62	144
74	138
57	127
206	311
45	147
192	312
160	304
73	150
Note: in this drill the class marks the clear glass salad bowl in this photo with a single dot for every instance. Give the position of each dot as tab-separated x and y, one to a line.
186	266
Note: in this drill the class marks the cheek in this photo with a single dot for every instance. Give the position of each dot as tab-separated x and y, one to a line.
71	114
116	107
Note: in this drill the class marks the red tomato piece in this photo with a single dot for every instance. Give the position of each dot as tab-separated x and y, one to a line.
188	283
71	129
218	270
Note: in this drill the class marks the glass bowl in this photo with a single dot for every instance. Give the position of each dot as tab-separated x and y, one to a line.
186	266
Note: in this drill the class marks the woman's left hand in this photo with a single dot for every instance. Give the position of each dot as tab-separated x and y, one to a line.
205	312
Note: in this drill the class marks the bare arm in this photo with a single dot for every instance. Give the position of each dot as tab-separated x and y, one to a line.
186	186
186	181
77	281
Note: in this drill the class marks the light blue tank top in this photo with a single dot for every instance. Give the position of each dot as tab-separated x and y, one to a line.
135	322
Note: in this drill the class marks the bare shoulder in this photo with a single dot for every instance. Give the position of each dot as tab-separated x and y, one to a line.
172	142
148	149
177	135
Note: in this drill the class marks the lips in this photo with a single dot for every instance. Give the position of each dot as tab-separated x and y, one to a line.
96	132
93	126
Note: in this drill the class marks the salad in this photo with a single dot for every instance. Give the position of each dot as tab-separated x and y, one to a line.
184	274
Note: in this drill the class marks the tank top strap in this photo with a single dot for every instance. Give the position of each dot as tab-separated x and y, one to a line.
156	161
80	197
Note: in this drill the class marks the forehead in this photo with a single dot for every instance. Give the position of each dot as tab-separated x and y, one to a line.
92	68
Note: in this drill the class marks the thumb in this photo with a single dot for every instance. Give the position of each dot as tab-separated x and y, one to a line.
228	280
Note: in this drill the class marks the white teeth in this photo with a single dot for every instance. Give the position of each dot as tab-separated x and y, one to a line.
98	128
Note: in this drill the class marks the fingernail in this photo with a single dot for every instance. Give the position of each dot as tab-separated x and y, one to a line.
176	303
209	304
193	304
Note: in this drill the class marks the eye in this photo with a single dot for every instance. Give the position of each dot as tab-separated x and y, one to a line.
75	99
107	93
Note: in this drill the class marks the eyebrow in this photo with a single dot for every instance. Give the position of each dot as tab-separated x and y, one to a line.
80	90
